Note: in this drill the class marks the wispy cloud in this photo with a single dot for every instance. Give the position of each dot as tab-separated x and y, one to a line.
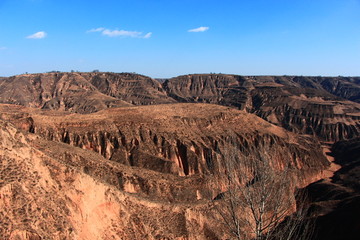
96	30
120	33
3	48
199	29
38	35
148	35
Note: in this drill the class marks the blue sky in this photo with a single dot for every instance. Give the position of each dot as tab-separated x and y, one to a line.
174	37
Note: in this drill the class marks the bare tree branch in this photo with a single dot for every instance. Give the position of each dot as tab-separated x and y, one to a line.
259	196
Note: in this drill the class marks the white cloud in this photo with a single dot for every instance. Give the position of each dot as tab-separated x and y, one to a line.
38	35
96	30
148	35
120	33
199	29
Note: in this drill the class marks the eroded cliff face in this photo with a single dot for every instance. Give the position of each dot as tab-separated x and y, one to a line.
182	139
59	91
305	113
44	196
81	92
228	90
152	172
305	105
344	87
106	175
132	88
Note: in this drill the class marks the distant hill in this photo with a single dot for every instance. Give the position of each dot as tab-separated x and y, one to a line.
299	104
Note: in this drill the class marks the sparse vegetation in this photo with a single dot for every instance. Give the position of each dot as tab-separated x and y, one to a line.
259	199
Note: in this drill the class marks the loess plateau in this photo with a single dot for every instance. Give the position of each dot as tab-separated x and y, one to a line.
124	156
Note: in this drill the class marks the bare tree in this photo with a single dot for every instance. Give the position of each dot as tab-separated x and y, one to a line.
258	197
299	225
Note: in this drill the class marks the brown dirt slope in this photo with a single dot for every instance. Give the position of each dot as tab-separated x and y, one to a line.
131	173
51	190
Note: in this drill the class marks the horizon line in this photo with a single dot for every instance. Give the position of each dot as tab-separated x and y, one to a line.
210	73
